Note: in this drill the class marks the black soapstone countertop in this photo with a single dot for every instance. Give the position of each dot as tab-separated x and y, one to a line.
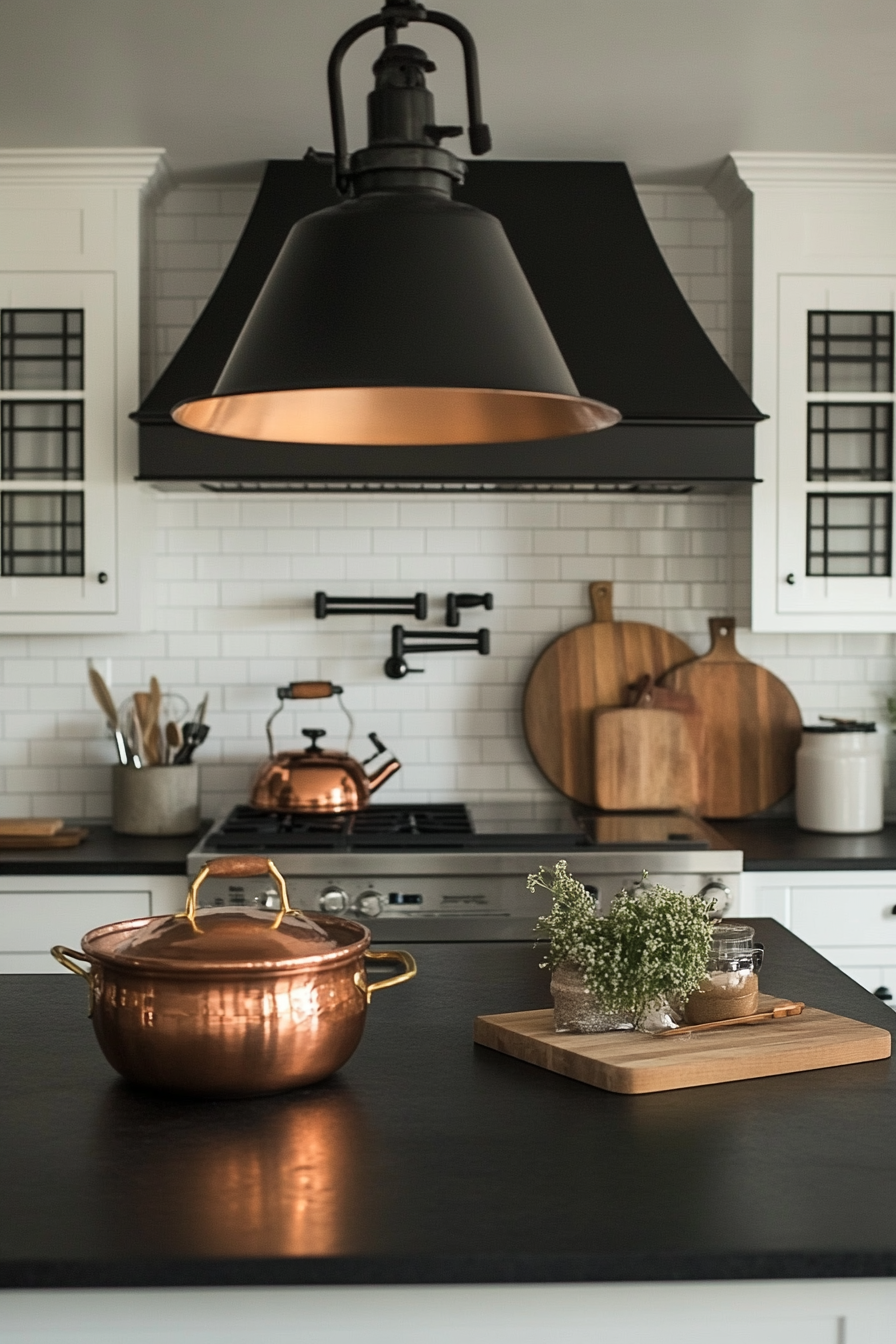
778	845
769	845
430	1160
104	852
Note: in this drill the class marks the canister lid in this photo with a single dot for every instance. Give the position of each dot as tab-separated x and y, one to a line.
227	937
730	939
840	726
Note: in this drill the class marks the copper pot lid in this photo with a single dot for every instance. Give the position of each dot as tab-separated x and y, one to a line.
216	939
225	938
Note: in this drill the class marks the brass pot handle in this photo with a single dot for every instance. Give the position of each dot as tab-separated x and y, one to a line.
64	956
403	958
239	865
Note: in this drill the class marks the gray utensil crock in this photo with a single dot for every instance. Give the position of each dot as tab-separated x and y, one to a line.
157	800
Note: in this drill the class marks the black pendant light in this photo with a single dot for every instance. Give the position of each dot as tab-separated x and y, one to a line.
398	316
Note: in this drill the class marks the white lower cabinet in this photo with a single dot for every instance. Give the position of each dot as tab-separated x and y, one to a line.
850	917
813	1311
38	912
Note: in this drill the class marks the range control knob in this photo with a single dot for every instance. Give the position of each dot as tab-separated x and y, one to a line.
369	903
333	900
720	895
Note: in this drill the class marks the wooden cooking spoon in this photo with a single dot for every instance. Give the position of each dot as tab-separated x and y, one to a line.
174	738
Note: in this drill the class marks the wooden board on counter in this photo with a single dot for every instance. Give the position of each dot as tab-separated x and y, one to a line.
632	1062
19	826
66	838
751	723
586	668
646	760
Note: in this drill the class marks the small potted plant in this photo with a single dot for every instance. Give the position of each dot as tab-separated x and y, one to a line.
625	969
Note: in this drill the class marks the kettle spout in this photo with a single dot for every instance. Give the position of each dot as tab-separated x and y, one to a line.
386	771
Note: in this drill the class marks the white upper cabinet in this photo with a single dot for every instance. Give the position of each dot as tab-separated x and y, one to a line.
72	519
824	308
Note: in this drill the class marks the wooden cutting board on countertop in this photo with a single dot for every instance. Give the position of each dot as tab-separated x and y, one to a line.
752	727
30	825
633	1062
646	760
589	667
66	838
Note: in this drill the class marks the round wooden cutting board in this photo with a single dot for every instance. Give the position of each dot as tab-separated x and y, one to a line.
584	669
752	727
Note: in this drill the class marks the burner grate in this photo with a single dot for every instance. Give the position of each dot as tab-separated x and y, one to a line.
437	819
252	828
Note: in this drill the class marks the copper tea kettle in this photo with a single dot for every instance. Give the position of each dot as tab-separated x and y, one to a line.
316	780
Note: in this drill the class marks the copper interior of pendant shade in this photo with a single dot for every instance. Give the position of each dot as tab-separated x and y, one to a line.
395	415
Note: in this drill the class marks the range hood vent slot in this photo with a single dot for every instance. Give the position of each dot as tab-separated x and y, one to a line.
627	333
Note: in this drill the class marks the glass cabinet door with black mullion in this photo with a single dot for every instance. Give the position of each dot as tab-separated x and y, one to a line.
42	425
849	443
833	426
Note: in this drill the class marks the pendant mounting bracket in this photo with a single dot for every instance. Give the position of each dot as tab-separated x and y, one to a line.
393	17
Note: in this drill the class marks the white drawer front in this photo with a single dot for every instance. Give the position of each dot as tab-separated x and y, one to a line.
761	899
32	921
844	916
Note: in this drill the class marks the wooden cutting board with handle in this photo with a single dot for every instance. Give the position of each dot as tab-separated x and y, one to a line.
752	727
589	667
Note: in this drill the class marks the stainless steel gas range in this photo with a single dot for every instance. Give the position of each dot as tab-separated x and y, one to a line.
450	872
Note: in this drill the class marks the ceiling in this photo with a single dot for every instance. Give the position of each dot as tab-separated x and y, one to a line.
668	85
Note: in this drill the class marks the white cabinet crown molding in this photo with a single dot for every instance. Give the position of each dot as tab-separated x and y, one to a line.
758	170
137	167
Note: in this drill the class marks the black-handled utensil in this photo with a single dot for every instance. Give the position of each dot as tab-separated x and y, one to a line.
194	736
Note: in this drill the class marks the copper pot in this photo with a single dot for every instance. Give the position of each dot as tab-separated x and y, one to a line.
316	780
230	1003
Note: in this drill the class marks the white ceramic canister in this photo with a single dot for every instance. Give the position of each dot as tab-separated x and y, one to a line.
840	778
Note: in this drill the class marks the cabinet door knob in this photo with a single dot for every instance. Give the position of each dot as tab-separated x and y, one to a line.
883	993
790	578
893	911
102	577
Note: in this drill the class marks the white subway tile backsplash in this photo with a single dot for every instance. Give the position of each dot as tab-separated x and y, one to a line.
393	541
367	569
849	669
236	578
640	569
881	672
351	541
417	569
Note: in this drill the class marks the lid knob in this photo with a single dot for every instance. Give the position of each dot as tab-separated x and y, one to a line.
314	734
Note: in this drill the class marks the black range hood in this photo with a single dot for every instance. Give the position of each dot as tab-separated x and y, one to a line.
626	331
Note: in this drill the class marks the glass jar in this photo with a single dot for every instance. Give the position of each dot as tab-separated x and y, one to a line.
576	1008
731	987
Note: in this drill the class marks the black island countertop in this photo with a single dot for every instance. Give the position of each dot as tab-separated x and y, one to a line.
430	1160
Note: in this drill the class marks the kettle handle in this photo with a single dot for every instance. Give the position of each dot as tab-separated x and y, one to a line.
304	690
237	865
308	690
